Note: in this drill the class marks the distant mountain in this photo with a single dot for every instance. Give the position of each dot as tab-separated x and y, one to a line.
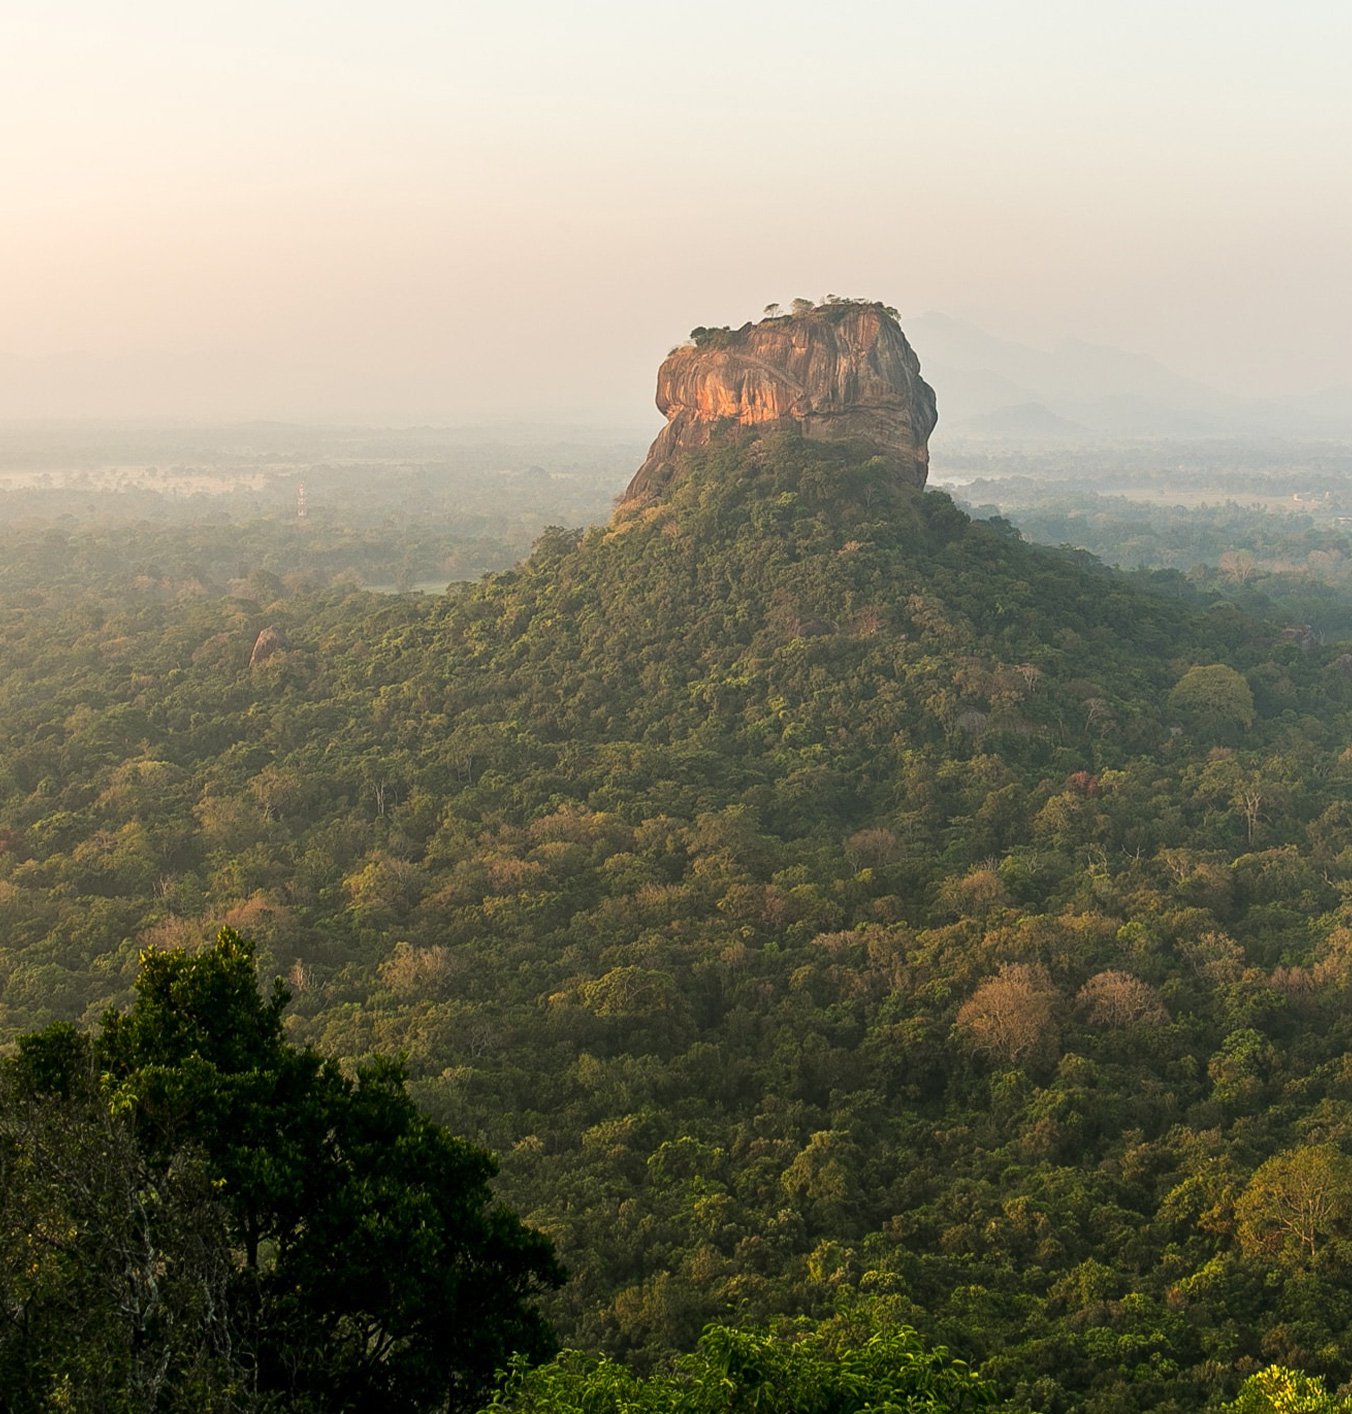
1034	421
1135	415
1109	392
1074	370
1333	403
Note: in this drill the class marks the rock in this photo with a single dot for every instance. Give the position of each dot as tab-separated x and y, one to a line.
270	641
840	370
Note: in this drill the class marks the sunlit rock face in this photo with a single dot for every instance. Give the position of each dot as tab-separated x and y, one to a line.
841	370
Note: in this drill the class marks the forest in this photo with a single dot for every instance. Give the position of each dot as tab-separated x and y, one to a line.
829	908
1277	556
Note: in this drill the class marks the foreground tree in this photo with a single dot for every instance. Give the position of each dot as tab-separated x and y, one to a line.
1277	1390
115	1272
795	1368
346	1250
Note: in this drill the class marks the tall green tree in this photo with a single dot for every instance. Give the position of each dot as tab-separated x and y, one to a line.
114	1271
359	1260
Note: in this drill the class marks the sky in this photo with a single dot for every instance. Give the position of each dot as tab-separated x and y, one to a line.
466	211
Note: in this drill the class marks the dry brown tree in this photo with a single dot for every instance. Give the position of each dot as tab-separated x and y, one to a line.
1010	1016
1119	1000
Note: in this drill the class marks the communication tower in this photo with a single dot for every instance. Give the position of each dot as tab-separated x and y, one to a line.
300	501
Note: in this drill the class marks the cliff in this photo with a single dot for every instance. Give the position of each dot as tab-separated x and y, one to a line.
841	370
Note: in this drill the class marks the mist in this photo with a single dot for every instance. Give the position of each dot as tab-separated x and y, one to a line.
360	213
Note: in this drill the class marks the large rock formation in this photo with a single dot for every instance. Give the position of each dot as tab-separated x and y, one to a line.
840	370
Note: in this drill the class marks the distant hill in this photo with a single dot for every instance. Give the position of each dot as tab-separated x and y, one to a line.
1027	421
1074	371
1109	392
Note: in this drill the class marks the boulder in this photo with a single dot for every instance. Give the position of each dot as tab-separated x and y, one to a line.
269	641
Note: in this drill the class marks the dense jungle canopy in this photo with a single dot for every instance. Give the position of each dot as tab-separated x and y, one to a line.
811	895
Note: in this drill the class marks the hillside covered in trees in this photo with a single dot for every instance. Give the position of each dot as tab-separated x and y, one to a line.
811	895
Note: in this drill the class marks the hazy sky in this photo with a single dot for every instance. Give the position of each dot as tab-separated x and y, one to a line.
468	209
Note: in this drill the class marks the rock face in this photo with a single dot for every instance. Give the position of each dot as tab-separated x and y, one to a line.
841	370
271	640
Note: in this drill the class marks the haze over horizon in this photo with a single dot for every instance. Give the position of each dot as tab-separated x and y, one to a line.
442	213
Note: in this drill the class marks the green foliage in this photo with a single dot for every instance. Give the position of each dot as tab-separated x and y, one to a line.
1216	701
718	338
1285	556
678	865
1275	1390
327	1246
1297	1208
794	1368
114	1271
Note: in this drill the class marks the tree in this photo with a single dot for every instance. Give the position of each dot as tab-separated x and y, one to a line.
113	1272
1214	700
1277	1390
367	1267
793	1368
1119	1000
1237	565
1296	1205
1010	1016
